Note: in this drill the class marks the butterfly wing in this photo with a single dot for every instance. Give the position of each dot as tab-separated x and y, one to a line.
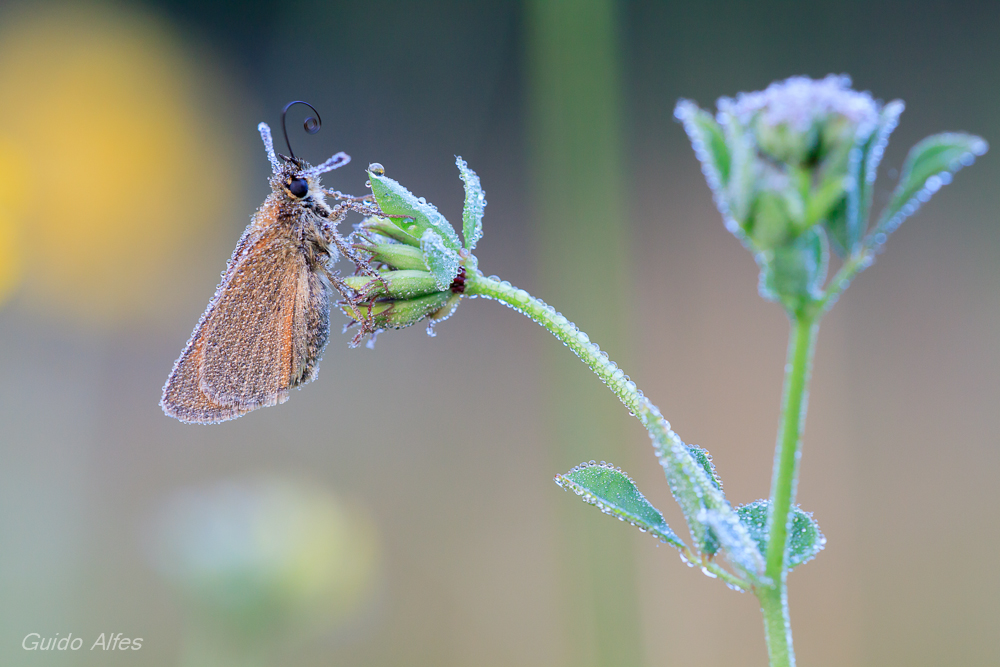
262	334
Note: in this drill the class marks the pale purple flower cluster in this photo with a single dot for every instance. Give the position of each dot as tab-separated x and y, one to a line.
799	102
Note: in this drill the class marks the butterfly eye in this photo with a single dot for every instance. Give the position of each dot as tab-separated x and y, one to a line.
298	187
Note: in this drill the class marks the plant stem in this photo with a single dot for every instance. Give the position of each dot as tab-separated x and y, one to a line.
787	454
668	446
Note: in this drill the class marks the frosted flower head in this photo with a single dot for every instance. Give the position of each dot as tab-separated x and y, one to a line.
792	169
800	120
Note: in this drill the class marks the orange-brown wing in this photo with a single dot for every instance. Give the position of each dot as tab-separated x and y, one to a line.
253	342
255	334
183	398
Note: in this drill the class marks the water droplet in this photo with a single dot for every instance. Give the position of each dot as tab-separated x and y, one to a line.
376	169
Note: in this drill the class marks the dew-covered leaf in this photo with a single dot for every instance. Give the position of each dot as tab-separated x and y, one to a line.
704	459
695	489
394	199
614	493
804	539
442	261
734	538
475	204
929	165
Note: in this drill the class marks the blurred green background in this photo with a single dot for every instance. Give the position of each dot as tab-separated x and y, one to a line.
400	509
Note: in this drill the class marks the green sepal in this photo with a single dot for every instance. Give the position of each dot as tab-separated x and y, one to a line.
793	274
928	166
709	143
804	538
613	492
397	255
386	228
442	261
402	284
475	205
848	221
397	314
394	199
741	188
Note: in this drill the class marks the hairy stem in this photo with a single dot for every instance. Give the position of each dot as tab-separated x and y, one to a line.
667	445
787	454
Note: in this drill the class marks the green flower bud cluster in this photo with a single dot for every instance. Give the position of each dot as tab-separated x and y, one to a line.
792	169
421	262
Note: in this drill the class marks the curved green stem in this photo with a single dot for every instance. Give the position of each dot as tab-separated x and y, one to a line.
669	448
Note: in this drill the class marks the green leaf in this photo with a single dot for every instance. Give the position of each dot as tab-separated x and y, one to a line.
704	459
475	204
394	199
733	536
929	165
442	261
804	539
695	489
614	493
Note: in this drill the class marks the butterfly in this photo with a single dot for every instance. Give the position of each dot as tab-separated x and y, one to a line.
265	329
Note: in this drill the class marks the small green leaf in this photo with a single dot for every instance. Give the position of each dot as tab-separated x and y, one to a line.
475	204
734	537
929	165
394	199
614	493
704	459
441	260
804	539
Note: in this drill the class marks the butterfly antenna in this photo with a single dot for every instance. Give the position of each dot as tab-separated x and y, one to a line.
338	160
265	134
311	123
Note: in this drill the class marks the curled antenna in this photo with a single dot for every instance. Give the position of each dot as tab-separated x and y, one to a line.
311	124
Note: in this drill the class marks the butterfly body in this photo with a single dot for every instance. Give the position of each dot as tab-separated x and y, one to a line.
265	329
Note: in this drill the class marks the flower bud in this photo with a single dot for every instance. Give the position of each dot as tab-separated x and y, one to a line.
789	166
393	284
396	255
373	316
385	227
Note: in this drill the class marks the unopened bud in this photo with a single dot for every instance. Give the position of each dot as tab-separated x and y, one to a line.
394	314
396	255
393	284
388	229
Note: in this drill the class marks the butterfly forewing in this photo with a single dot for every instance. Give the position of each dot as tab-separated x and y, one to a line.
262	334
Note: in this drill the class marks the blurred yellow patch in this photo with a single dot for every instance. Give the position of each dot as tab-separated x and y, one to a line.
12	201
119	170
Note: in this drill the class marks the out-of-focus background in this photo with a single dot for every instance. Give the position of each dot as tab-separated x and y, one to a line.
400	509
